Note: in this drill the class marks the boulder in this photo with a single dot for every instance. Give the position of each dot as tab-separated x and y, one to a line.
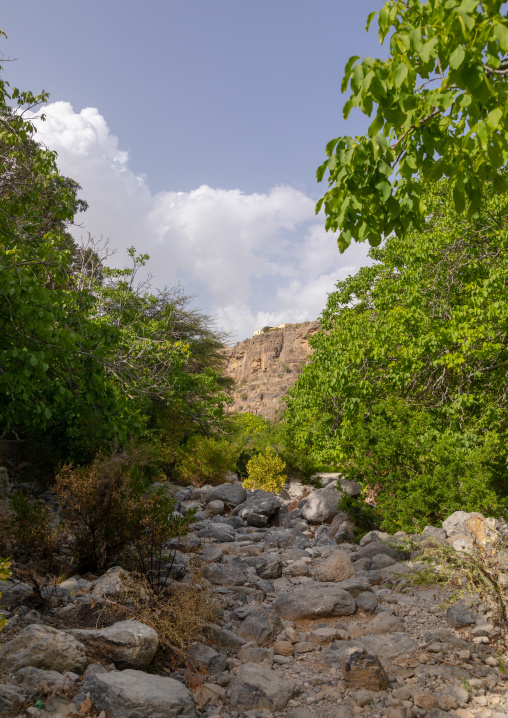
220	532
356	585
316	601
434	533
458	616
43	647
256	654
111	583
267	566
350	487
372	536
134	694
390	646
226	574
261	626
14	592
375	548
216	507
385	623
37	678
473	526
233	494
258	503
337	567
225	638
362	669
257	686
127	644
287	539
366	602
321	506
212	660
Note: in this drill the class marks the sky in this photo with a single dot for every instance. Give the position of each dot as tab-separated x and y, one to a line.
195	128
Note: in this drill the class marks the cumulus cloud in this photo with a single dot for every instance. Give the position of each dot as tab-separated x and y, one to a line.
253	259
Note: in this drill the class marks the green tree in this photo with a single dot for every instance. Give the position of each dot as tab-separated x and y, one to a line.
438	104
406	386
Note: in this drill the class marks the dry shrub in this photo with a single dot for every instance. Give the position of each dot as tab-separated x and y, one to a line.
179	615
109	511
206	460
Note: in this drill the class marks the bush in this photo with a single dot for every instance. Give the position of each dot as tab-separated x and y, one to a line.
27	531
206	460
266	471
109	511
420	474
364	517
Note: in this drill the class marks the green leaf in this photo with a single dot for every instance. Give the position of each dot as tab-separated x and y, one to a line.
400	74
427	49
494	118
457	57
370	17
501	35
347	72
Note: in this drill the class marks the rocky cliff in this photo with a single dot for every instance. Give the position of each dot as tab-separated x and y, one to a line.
265	366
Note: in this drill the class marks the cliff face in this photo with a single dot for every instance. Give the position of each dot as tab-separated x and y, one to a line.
265	366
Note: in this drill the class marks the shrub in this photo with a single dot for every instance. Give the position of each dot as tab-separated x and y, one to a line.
27	531
244	396
364	517
206	460
266	471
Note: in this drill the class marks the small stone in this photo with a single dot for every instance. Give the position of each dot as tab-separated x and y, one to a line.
364	670
447	702
303	647
283	648
425	701
458	616
216	507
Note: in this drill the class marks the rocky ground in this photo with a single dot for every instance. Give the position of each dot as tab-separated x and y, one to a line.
313	625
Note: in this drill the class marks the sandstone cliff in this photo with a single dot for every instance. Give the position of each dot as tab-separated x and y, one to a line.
265	366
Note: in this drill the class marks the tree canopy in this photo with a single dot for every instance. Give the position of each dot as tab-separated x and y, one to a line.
406	386
438	104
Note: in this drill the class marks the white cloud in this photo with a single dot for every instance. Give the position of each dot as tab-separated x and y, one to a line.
254	259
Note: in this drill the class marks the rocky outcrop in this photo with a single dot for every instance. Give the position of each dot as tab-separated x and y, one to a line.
266	366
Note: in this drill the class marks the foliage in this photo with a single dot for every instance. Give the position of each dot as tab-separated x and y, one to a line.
5	574
438	105
108	511
363	516
205	460
266	471
406	386
30	529
254	434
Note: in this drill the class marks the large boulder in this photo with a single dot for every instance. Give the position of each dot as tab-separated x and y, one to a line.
220	532
257	686
134	694
317	601
267	566
469	528
233	494
128	644
321	506
337	567
259	507
43	647
261	626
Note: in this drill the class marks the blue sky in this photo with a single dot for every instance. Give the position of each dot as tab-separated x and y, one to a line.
195	128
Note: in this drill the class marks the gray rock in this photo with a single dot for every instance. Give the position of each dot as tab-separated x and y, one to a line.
287	539
374	548
255	654
211	554
14	592
341	712
216	507
366	602
111	583
226	574
336	567
385	623
261	626
134	694
390	645
267	566
321	506
355	585
350	487
373	536
220	532
233	494
258	502
434	532
337	521
458	616
381	560
224	638
127	644
468	528
318	600
36	678
10	696
362	669
43	647
212	660
258	520
257	686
